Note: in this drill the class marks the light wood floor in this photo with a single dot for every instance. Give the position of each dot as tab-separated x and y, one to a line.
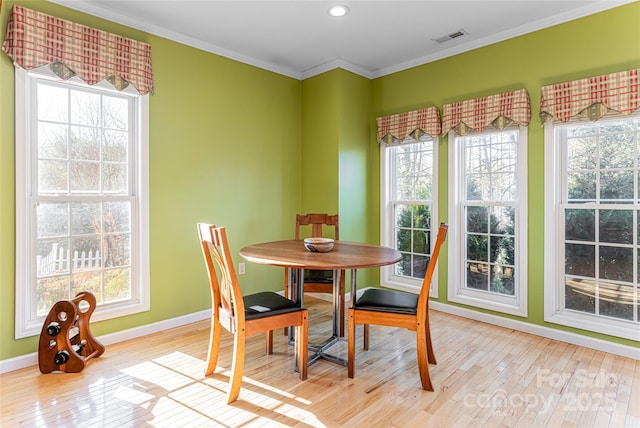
486	376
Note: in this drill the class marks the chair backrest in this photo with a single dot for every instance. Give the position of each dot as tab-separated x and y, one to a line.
316	221
423	299
225	289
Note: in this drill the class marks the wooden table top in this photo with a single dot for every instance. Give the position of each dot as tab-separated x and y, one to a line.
345	255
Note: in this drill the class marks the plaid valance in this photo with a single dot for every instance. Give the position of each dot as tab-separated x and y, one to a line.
35	39
497	110
415	124
592	98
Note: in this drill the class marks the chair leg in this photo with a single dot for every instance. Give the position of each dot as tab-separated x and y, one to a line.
365	342
286	294
430	353
302	335
351	353
270	342
342	303
237	367
214	346
423	364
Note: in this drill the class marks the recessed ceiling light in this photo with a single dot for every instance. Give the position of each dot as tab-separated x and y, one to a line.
339	10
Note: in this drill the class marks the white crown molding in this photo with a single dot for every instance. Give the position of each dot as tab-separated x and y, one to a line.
506	35
332	65
92	9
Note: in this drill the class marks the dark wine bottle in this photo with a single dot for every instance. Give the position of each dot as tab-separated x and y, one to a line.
78	347
53	329
61	357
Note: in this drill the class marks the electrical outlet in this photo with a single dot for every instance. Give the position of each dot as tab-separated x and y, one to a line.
241	270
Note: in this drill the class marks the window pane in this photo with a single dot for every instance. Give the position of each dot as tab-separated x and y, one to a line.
52	140
403	242
52	103
503	220
52	176
85	218
419	266
403	216
502	280
85	108
49	290
52	257
477	276
116	285
616	185
115	146
477	219
581	153
580	260
115	178
85	177
580	225
582	186
52	219
86	253
116	113
477	247
420	241
580	295
117	217
617	151
503	187
85	143
478	187
616	300
117	250
616	263
616	226
90	280
502	250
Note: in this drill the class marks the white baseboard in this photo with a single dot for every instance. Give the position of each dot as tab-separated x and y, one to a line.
28	360
564	336
538	330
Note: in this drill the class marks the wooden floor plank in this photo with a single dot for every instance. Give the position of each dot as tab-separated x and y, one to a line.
485	376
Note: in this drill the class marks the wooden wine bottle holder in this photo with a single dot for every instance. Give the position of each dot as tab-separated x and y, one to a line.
73	345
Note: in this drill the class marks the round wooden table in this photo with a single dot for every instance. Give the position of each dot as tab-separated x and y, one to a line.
345	255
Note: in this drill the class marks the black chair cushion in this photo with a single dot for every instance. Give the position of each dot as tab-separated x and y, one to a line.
318	276
399	302
267	303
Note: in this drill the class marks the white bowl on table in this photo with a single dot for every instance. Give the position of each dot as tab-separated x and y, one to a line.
318	245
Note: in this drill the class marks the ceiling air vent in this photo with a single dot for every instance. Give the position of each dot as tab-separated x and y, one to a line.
451	36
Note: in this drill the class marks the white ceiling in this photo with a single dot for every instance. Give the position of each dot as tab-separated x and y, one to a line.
300	39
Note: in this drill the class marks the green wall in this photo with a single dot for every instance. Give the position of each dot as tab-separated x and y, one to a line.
224	148
248	149
603	43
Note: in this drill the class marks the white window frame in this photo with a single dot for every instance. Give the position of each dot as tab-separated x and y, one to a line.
388	277
457	292
26	323
554	311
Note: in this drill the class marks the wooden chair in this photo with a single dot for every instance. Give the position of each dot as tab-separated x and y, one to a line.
319	281
244	316
399	309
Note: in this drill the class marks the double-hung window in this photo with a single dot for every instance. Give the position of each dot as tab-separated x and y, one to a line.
81	198
488	202
592	203
409	217
409	214
592	225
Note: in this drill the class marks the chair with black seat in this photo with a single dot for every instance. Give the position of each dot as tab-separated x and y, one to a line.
244	316
399	309
319	281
